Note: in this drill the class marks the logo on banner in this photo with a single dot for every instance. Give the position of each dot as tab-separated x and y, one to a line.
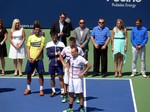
124	3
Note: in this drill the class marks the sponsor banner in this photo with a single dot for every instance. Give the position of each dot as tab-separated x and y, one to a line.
48	11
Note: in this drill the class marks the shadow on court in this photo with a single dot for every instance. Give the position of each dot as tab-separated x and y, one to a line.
90	98
2	90
94	109
49	91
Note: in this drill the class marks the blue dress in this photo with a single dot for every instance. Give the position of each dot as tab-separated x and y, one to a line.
119	43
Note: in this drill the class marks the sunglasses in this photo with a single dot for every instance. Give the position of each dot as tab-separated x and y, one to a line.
101	22
81	22
62	17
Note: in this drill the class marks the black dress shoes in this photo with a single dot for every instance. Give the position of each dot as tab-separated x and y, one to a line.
94	75
104	75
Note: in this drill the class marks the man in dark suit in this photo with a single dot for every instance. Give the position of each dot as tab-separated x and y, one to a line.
82	35
61	28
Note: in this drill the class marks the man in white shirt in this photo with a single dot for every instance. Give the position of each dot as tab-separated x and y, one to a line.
77	68
66	52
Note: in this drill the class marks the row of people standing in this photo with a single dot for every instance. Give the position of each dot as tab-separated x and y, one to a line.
17	48
100	37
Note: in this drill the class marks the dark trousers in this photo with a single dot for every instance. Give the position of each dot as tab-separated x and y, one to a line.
85	50
100	54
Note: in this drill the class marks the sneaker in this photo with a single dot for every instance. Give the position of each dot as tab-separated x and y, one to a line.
77	100
144	75
65	99
133	74
81	110
62	93
52	94
27	92
68	110
41	93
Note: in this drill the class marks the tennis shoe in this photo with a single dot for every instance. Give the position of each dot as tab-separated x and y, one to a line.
62	93
77	100
144	75
68	110
41	93
27	92
133	74
81	110
65	99
52	94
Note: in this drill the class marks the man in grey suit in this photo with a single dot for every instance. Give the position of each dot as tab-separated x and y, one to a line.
82	35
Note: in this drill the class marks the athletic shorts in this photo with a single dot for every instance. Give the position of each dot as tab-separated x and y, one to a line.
38	65
75	85
56	69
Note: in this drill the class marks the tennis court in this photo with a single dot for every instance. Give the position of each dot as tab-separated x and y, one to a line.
107	95
14	88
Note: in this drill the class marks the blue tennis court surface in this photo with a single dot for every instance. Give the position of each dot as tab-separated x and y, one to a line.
101	96
109	96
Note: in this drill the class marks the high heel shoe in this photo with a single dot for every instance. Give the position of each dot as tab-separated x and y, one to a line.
120	74
20	73
15	73
3	73
116	74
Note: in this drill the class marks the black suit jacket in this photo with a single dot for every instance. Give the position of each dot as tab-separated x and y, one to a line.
66	30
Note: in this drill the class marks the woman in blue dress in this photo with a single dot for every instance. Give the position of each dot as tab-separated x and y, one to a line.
119	46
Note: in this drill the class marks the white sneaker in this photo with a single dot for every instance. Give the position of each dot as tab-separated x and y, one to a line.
133	74
62	93
144	75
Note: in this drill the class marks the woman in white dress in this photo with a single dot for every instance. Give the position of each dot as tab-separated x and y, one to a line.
17	48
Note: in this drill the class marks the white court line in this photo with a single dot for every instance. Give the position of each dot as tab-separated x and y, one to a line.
133	97
85	102
108	78
15	77
24	77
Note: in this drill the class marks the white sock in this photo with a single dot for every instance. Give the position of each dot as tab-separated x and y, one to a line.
41	87
62	90
28	87
53	89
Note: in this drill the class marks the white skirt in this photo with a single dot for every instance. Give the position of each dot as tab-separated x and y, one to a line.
17	54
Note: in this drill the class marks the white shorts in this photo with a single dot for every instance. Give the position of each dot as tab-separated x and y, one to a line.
75	85
66	77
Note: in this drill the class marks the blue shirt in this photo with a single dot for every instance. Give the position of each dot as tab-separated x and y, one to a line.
51	49
139	36
100	35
